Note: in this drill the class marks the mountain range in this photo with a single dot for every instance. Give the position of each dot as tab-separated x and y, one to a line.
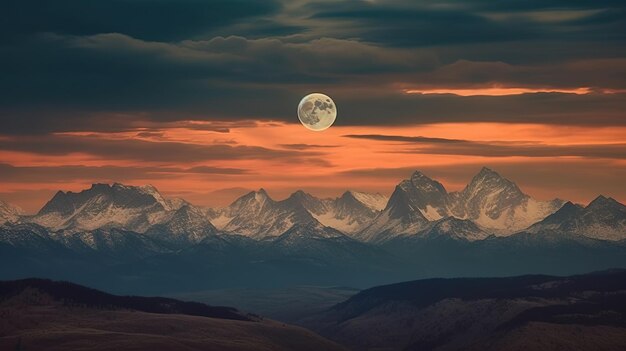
493	203
133	234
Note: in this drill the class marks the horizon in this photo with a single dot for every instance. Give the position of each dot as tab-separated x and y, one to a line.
227	201
574	178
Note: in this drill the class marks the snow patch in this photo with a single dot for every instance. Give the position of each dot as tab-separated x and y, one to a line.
375	201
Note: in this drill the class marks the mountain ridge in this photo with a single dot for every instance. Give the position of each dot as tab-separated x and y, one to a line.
494	205
603	218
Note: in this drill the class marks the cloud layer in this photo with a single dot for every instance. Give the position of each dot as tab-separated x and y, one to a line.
201	95
183	60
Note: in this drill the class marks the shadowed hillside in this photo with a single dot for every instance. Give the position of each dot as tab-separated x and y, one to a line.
483	313
46	315
75	295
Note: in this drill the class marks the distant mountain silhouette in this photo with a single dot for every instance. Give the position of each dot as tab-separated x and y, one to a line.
494	203
131	239
604	218
74	294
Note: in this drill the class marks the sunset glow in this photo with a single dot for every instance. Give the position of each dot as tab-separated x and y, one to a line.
325	164
498	91
208	109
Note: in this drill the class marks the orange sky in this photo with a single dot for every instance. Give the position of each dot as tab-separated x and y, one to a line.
546	161
205	109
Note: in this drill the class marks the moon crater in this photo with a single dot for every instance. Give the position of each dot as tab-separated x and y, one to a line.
317	111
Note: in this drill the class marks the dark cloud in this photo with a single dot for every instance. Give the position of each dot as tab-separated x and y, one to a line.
151	20
305	146
424	27
542	108
109	173
614	151
82	79
596	73
440	146
88	65
410	23
260	28
150	134
413	139
140	150
214	170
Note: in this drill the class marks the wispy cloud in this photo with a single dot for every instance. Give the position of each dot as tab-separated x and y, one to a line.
442	146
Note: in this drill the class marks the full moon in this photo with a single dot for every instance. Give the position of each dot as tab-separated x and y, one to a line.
317	112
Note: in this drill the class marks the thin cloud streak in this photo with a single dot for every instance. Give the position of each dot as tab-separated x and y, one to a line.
500	148
497	91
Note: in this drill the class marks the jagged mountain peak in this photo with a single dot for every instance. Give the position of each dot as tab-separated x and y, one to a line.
117	195
423	183
261	192
419	193
149	188
488	179
495	203
347	194
401	216
104	205
498	204
9	212
259	196
350	198
418	176
568	210
302	195
569	206
602	202
486	171
258	216
604	218
260	219
413	204
348	213
310	203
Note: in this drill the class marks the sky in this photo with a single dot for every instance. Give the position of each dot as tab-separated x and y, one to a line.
199	98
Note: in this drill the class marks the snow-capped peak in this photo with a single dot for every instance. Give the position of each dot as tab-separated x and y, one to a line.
253	198
490	181
120	206
492	201
152	191
9	212
373	201
604	218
